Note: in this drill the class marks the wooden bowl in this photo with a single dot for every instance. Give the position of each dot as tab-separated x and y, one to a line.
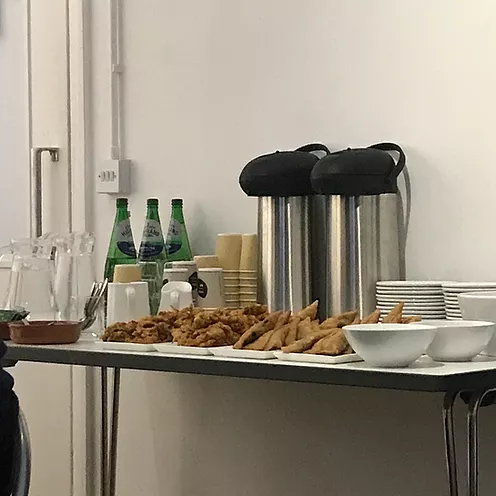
45	332
4	331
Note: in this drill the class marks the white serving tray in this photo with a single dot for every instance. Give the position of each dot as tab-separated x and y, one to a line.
133	347
305	357
230	352
173	348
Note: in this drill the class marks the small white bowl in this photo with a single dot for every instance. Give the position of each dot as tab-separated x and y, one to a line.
390	345
480	305
459	340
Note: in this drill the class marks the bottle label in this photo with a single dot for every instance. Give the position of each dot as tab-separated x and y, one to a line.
152	244
174	242
125	241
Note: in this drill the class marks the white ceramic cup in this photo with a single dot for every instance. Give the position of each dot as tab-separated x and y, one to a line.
175	274
211	288
127	301
192	274
176	294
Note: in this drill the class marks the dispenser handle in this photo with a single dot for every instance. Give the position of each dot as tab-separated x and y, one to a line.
393	147
314	147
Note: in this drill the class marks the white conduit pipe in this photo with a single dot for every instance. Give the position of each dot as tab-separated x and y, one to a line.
116	70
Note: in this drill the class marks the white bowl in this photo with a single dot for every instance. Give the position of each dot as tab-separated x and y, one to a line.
459	340
390	345
480	305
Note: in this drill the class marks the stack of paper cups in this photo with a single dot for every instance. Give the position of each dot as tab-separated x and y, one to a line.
228	251
247	287
248	270
231	288
238	256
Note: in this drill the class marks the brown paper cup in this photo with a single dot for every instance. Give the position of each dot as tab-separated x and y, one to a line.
207	261
249	252
127	273
228	250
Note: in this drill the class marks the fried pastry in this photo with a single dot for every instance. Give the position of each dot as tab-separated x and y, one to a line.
411	319
259	344
283	319
395	315
332	345
148	330
292	335
306	343
276	341
348	350
340	320
257	330
305	328
215	335
189	326
310	311
330	323
373	318
256	310
346	318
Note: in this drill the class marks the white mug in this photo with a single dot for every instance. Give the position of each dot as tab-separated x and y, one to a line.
211	288
177	295
175	274
127	301
192	274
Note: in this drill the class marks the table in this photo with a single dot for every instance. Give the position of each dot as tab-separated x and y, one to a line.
477	377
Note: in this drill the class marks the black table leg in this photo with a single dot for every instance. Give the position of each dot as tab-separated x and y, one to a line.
449	442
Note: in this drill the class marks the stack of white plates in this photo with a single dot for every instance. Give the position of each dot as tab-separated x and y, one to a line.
453	289
422	298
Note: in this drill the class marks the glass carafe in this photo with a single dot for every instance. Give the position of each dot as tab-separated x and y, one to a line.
31	278
74	273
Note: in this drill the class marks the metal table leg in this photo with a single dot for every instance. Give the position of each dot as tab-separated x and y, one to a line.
108	463
449	440
114	430
104	432
473	439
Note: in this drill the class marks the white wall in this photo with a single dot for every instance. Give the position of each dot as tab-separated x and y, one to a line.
209	85
47	408
14	156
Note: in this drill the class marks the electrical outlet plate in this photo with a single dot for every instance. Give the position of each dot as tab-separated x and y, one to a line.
114	177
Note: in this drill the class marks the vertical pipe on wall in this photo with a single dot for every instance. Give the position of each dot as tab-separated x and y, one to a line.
115	79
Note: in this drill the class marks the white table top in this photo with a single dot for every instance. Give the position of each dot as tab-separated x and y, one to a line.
423	375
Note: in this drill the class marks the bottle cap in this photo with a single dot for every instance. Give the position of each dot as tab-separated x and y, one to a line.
177	201
121	202
152	202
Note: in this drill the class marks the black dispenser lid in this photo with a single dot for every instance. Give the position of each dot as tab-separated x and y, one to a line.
359	171
281	173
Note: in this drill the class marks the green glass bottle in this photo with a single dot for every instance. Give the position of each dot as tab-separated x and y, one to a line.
121	248
152	256
177	245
